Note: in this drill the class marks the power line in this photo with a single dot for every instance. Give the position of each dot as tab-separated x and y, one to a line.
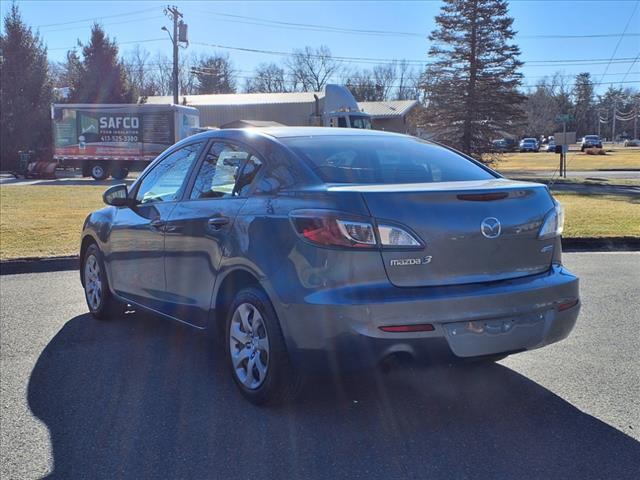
248	20
93	19
630	67
155	17
615	50
163	39
420	62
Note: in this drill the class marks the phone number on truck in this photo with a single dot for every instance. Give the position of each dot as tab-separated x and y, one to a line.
119	138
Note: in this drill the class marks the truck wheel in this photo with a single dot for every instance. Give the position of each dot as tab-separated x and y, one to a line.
99	171
120	173
86	170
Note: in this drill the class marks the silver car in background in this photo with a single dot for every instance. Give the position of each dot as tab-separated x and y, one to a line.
306	248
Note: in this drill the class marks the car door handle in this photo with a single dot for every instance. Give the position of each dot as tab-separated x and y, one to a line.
217	222
157	224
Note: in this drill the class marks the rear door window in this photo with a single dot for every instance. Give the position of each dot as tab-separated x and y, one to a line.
227	171
383	159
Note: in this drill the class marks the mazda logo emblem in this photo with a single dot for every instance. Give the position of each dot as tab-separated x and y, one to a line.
490	227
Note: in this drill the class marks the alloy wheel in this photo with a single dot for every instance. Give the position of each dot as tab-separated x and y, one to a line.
249	346
92	282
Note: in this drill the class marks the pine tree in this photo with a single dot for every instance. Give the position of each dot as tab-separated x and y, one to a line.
472	84
584	111
25	92
101	76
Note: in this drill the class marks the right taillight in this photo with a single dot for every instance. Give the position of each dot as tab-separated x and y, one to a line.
333	229
553	223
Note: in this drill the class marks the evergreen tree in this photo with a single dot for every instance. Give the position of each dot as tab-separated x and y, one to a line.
584	111
472	84
25	92
100	77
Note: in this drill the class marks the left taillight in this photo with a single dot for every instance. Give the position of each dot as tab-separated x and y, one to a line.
329	229
334	229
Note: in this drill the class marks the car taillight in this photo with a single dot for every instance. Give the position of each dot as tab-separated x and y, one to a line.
328	228
553	223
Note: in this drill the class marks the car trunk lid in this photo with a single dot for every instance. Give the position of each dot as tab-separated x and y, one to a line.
474	231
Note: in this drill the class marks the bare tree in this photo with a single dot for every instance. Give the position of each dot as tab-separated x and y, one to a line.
408	82
267	78
139	71
362	85
214	74
312	68
163	75
384	77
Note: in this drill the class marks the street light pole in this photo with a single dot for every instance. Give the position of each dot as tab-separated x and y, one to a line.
175	15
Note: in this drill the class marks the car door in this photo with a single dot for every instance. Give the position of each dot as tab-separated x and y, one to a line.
136	253
198	230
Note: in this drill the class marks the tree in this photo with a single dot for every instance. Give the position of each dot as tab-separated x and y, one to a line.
407	82
101	76
362	85
312	68
25	92
472	83
139	71
215	74
267	78
583	99
163	75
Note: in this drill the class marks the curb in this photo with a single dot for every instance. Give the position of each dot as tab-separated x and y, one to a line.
604	244
39	265
57	264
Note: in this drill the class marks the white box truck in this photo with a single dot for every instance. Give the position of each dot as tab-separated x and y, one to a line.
111	139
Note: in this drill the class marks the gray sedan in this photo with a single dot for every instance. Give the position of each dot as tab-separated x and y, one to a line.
305	248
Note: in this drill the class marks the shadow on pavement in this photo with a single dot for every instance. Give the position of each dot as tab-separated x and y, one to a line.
138	397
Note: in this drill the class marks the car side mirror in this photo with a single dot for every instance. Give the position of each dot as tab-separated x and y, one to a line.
118	196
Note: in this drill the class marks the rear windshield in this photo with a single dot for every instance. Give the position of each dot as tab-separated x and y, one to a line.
382	159
592	137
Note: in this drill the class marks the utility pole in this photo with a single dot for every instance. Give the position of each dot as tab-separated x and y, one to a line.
613	124
173	13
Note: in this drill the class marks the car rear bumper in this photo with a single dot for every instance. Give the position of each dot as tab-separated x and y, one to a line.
342	327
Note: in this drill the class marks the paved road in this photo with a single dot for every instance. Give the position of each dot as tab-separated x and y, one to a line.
139	397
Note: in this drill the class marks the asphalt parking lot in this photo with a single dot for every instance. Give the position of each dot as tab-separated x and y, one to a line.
140	397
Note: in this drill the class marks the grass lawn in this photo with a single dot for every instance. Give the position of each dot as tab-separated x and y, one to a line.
619	158
40	221
600	215
37	221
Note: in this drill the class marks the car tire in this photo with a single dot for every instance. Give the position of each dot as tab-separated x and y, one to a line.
120	173
256	350
102	305
99	171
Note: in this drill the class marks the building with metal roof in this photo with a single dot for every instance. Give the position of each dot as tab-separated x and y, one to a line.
393	116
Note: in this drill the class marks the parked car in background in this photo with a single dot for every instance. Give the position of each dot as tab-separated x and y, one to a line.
316	247
529	145
632	142
590	141
551	145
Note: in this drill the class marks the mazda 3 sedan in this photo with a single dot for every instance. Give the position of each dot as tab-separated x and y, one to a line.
306	248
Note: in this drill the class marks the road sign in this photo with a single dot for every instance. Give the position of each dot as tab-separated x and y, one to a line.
563	138
564	117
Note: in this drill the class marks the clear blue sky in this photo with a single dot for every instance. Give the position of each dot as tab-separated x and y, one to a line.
61	23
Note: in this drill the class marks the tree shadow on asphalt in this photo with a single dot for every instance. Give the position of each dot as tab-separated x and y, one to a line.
139	397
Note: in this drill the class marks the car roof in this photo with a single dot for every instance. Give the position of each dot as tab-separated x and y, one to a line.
288	132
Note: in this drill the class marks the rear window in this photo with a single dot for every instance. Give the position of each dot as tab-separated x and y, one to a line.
381	159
